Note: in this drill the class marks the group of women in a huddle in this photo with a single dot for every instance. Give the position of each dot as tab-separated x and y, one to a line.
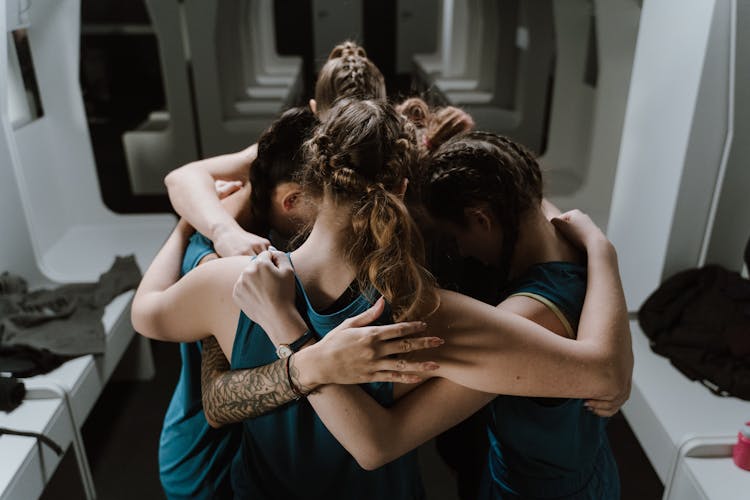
324	368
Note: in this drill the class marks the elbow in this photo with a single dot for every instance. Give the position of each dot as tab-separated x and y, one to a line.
209	411
211	418
374	456
173	178
142	319
371	462
138	319
616	377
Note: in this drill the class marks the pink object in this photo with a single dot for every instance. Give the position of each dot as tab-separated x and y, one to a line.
741	451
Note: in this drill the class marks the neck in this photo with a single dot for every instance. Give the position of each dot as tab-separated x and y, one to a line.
539	241
320	262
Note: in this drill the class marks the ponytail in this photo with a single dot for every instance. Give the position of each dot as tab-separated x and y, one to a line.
359	158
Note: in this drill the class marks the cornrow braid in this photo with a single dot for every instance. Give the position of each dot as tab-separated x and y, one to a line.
482	168
349	76
359	158
347	48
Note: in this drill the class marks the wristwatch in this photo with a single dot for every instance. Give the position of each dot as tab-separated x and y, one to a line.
286	350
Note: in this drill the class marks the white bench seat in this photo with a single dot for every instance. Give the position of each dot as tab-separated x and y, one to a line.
672	415
709	478
57	230
27	465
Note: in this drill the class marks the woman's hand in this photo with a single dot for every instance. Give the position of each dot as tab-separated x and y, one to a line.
225	188
579	229
354	353
265	292
608	407
233	240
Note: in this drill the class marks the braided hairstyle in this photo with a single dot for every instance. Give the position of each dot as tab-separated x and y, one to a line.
348	73
434	127
358	158
347	48
482	168
279	160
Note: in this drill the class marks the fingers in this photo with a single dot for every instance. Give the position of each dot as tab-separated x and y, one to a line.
225	188
370	315
402	365
393	376
281	260
408	345
396	330
275	260
602	408
260	247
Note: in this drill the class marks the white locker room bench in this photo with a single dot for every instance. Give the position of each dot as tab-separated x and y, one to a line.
56	229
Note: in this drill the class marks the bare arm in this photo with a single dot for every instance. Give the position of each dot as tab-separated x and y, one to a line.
489	349
168	308
193	195
233	396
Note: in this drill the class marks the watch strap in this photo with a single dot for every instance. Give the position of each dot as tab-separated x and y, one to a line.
304	339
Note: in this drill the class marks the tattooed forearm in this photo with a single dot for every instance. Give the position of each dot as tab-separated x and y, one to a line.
233	396
294	379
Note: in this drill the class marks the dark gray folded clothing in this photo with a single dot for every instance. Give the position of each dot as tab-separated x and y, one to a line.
65	320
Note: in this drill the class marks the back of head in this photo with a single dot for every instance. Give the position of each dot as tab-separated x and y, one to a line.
279	160
347	48
434	127
359	158
480	168
350	75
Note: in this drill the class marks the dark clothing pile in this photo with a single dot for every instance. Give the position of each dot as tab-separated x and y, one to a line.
41	329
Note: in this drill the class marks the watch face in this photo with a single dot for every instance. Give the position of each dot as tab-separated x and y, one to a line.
283	351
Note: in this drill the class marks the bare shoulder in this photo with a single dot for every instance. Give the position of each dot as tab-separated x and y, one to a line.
218	273
214	281
541	311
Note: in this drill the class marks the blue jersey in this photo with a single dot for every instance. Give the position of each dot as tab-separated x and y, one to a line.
194	458
289	454
545	447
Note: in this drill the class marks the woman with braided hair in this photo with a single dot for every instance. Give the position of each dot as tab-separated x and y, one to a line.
363	243
194	459
486	191
266	204
347	73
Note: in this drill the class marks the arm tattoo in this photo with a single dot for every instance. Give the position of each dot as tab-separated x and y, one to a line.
294	379
232	396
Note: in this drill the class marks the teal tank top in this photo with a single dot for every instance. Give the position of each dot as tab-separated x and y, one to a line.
289	454
548	447
194	458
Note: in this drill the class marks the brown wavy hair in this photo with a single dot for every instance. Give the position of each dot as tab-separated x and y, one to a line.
482	168
358	158
435	126
348	73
